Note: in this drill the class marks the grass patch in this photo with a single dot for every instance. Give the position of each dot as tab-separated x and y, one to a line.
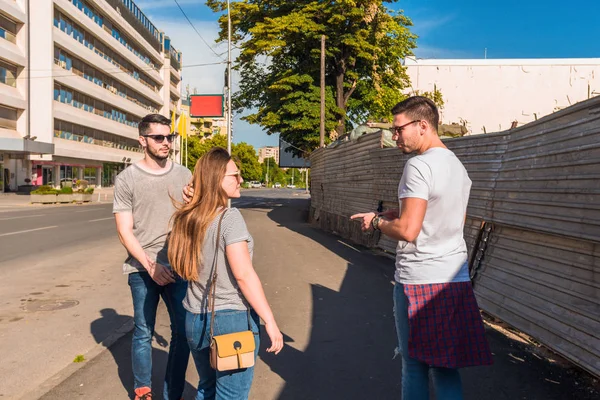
79	358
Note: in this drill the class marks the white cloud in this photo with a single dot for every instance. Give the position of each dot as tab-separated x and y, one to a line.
426	25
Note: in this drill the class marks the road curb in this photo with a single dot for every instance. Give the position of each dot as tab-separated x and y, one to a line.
66	372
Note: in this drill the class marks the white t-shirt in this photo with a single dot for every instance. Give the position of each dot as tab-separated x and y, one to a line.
439	253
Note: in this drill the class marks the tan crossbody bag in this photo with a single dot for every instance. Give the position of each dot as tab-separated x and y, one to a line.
234	350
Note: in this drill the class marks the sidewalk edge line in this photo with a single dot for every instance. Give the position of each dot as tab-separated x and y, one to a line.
69	370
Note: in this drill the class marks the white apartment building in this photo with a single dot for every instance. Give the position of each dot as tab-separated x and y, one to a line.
76	76
268	152
491	95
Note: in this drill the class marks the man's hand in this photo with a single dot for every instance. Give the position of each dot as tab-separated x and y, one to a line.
159	273
367	218
188	193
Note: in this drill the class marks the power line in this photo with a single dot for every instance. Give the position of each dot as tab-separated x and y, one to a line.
192	25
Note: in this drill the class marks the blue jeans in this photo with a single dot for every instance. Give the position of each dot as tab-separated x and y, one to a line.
146	294
216	385
415	374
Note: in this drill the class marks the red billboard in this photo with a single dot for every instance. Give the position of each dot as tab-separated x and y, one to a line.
206	106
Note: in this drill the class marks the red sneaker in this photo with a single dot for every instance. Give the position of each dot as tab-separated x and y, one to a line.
143	393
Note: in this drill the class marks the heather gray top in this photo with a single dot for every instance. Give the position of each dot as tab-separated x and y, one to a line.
148	197
228	295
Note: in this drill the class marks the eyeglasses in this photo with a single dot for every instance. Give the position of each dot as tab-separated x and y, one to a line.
397	130
237	174
161	138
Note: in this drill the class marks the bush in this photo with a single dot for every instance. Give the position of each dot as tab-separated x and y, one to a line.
89	190
82	183
45	189
66	190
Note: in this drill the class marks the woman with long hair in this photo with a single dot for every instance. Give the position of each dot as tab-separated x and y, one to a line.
239	299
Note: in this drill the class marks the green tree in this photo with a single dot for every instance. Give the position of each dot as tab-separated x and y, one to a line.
198	147
279	63
243	153
248	161
275	174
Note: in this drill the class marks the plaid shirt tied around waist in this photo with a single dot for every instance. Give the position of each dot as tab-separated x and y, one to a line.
445	326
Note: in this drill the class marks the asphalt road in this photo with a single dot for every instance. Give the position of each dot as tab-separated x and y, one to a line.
27	230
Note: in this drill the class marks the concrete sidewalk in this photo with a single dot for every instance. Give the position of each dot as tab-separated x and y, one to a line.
333	302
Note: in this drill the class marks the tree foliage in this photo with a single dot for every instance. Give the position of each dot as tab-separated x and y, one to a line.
279	63
243	153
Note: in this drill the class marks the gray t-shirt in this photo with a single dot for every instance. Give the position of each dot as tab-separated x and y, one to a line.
148	197
439	253
228	295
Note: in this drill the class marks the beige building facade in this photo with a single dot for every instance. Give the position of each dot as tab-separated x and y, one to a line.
268	152
97	67
491	95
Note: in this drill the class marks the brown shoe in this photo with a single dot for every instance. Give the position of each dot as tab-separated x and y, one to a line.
143	393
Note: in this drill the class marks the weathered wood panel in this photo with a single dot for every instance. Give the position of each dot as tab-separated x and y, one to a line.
539	188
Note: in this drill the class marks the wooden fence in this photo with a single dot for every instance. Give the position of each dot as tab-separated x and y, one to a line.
533	221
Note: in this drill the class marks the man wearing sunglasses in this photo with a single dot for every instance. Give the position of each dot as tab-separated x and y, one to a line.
143	208
438	323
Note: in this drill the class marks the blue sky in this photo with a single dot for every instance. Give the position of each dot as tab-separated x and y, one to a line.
446	29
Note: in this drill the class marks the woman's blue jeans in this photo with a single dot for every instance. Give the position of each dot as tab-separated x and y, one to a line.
228	385
146	294
415	374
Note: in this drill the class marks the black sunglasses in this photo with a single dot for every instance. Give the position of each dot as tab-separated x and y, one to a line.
161	138
397	130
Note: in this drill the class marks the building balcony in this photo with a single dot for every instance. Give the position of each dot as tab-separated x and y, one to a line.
176	73
95	58
94	151
12	53
13	10
127	20
174	92
11	97
67	112
83	20
75	80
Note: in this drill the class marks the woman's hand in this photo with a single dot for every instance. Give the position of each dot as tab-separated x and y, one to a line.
276	338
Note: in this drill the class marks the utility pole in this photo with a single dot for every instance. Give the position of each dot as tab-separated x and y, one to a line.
267	177
322	131
306	177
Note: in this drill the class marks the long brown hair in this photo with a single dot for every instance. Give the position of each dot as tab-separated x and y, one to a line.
191	221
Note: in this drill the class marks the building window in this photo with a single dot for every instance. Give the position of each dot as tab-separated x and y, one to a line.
8	74
8	117
79	100
84	70
99	20
8	29
70	28
84	134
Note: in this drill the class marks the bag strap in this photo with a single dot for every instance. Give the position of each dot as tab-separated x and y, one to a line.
213	284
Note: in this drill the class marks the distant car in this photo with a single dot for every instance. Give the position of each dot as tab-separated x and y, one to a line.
255	184
277	185
291	186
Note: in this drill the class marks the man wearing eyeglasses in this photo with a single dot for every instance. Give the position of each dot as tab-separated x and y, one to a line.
143	208
437	319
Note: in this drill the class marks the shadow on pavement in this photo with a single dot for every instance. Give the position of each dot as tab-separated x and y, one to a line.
352	339
121	353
